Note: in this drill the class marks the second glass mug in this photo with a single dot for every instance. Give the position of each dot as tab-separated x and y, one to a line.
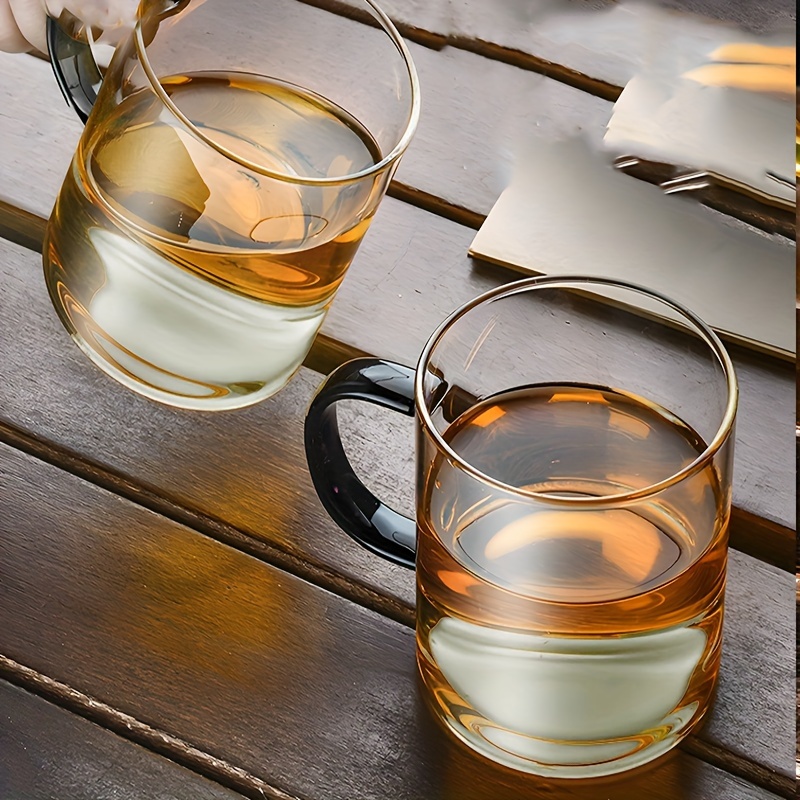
231	163
574	458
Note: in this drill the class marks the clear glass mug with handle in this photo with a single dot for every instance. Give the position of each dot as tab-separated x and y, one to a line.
573	467
232	161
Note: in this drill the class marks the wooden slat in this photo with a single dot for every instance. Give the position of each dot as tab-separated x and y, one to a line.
298	687
597	45
476	114
46	752
38	134
410	273
462	152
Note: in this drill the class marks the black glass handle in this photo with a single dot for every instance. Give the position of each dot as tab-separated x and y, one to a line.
351	505
76	72
72	60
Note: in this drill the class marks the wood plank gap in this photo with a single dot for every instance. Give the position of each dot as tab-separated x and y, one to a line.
21	227
495	52
763	539
328	353
27	229
773	217
134	730
118	483
434	41
435	205
751	771
526	61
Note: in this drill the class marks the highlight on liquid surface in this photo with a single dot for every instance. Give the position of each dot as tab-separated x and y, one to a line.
561	641
188	276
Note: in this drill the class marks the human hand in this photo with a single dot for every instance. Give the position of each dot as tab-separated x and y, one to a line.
22	22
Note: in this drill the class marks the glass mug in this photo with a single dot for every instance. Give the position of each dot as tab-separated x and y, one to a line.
574	457
230	166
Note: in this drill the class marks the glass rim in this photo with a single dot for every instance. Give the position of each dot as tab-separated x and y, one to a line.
585	503
386	162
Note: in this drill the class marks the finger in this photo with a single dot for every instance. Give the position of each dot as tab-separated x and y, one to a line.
753	77
11	39
112	18
754	53
30	18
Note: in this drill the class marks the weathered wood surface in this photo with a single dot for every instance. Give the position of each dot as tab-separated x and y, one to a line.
248	471
46	753
244	475
477	114
38	132
192	636
300	688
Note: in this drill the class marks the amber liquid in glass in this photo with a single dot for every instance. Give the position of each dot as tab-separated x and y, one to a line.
562	641
184	273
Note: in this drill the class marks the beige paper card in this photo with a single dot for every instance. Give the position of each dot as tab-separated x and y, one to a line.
568	212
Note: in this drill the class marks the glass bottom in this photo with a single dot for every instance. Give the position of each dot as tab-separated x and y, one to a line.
170	336
169	389
567	707
565	759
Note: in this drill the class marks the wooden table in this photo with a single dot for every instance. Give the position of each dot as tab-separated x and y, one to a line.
178	616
